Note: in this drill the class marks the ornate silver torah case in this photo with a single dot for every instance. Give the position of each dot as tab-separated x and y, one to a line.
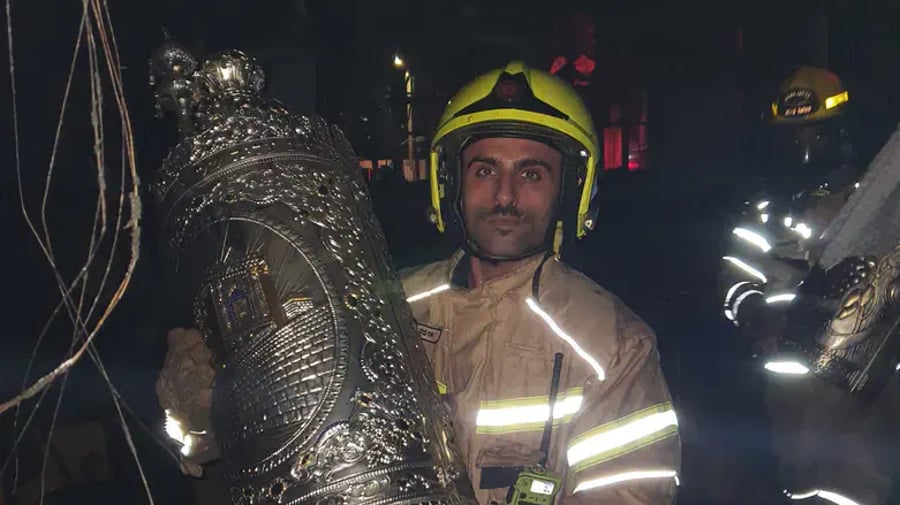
323	392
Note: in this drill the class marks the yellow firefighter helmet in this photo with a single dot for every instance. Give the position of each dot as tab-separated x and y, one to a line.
518	101
810	94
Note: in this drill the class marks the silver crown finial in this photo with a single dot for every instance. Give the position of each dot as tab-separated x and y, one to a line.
230	72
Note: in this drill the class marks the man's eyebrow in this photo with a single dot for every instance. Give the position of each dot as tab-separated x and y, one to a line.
490	160
530	162
518	165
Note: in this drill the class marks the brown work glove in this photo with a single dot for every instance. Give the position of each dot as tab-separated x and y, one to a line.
184	389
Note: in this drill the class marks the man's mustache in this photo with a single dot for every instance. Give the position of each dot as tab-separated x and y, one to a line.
505	211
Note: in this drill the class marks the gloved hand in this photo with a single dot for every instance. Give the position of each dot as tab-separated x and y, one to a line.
184	389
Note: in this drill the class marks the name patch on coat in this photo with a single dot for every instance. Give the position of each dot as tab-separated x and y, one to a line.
429	334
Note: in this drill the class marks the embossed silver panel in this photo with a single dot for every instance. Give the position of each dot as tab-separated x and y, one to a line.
852	338
323	392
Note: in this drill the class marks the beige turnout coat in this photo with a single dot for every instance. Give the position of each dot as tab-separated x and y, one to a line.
615	437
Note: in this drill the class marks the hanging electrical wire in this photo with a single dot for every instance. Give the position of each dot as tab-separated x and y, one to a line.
95	37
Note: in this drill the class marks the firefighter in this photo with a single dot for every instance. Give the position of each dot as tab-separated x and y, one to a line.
795	195
513	175
830	405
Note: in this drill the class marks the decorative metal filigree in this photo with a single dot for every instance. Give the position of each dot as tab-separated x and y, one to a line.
863	302
323	393
851	336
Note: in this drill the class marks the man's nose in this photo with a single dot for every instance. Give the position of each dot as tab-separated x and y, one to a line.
506	190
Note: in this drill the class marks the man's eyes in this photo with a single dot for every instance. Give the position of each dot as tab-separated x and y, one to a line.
531	175
483	171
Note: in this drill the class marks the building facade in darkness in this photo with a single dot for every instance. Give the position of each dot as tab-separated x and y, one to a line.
617	101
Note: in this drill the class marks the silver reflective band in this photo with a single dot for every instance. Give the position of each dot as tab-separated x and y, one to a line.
729	314
804	230
746	268
426	294
525	413
781	298
764	218
830	496
737	303
626	477
733	289
608	441
786	367
601	374
762	205
788	221
753	238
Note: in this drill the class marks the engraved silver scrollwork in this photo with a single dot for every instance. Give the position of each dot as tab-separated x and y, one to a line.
852	336
863	303
323	393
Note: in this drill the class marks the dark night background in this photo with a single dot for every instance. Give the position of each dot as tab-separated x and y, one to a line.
708	71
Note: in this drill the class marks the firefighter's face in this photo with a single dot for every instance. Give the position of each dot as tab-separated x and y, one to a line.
509	191
810	144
